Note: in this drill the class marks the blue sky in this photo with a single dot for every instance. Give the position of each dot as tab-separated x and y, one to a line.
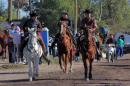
5	4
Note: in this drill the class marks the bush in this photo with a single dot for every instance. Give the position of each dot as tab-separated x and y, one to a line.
2	19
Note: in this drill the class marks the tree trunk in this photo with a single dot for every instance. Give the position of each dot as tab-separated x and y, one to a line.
9	10
100	15
76	16
18	10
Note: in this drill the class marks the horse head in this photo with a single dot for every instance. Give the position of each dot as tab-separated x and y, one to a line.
32	42
63	27
88	34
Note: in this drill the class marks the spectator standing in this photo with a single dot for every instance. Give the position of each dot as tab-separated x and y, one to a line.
12	58
111	40
17	41
120	47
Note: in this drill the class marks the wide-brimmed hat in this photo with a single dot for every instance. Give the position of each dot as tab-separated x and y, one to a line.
88	11
33	14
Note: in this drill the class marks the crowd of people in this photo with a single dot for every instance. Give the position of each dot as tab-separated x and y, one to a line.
110	39
119	44
14	42
17	37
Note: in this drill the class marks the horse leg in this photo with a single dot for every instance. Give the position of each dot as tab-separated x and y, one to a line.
30	69
5	53
85	67
65	63
70	60
60	62
90	68
36	66
66	60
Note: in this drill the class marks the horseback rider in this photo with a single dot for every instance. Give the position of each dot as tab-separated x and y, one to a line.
33	22
65	19
88	22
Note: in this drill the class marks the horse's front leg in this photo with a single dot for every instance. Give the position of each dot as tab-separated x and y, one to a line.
30	69
60	62
85	67
36	67
70	60
90	68
65	59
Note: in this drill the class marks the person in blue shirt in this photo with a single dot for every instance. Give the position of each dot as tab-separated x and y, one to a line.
12	58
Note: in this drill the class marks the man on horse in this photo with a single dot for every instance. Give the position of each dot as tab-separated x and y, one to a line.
89	22
33	22
65	19
87	43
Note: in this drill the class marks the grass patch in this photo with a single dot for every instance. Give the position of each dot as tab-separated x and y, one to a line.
54	60
12	66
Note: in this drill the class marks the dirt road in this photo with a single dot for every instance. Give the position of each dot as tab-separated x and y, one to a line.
104	74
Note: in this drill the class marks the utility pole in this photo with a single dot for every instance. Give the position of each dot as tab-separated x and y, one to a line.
76	16
9	10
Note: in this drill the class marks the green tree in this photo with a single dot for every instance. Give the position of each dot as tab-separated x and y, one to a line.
113	13
19	4
116	13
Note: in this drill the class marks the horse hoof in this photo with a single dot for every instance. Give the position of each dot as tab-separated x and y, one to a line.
87	79
49	62
66	72
30	79
71	71
34	78
90	78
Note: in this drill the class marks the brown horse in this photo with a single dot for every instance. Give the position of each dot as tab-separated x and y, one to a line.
3	43
88	51
65	48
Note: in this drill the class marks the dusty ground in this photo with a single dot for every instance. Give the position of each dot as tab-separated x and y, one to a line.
104	74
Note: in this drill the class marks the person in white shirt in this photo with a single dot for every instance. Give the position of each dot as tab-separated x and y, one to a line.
17	42
12	58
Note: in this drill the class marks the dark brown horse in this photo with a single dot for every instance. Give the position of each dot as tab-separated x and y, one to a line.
88	51
65	48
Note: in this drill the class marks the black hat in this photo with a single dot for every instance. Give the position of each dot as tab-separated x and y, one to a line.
88	11
33	14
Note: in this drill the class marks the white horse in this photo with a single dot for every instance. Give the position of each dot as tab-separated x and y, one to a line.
111	52
32	52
